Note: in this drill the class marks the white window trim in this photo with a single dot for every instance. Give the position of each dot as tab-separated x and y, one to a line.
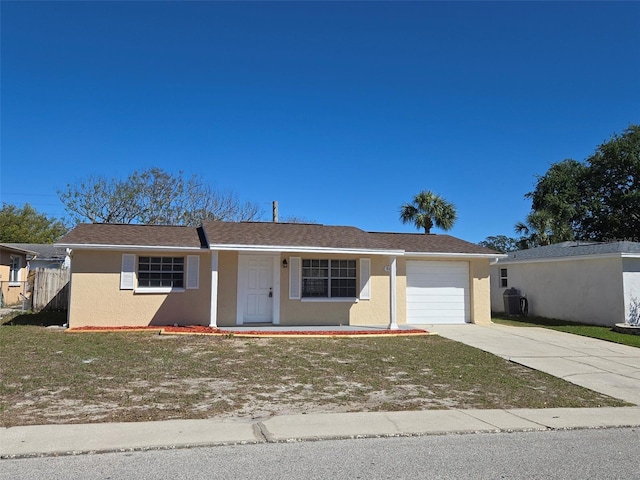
295	283
15	282
128	271
295	278
330	299
158	290
192	275
129	276
329	279
505	278
365	279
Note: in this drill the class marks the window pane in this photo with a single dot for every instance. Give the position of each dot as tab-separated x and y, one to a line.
161	272
343	287
314	287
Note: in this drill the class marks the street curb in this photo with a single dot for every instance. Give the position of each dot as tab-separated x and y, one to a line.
130	437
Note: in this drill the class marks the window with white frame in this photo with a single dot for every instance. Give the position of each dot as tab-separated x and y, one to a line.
503	278
328	278
160	272
14	269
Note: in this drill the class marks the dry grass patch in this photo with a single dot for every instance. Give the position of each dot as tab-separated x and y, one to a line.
51	377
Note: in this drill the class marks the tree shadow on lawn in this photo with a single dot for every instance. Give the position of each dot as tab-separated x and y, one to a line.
41	319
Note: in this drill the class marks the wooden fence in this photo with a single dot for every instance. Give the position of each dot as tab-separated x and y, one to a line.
50	289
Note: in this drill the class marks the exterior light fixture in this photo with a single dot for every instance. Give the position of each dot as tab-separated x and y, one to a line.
284	263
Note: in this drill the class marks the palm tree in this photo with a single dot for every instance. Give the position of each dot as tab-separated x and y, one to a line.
541	228
427	210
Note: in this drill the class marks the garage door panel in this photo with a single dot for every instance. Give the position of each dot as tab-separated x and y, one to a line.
437	292
436	306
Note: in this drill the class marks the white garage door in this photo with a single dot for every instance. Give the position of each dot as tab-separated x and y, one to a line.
437	292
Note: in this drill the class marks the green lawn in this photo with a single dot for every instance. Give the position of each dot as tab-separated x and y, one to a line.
602	333
48	376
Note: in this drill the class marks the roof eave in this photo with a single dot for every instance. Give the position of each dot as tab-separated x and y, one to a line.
570	258
305	249
460	256
17	250
92	246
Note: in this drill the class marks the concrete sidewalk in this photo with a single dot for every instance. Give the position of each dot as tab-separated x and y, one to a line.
50	440
604	367
601	366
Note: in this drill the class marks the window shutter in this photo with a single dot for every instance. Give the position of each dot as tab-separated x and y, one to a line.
127	273
193	271
365	277
294	278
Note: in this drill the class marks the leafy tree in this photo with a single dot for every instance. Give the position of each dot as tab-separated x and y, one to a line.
429	209
26	225
595	200
153	197
612	197
500	243
560	193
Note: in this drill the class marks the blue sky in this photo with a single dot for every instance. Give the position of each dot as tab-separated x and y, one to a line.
341	111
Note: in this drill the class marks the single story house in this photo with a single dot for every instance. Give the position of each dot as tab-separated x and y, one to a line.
46	255
239	273
13	274
587	282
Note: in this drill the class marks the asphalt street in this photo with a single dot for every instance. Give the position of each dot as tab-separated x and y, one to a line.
565	454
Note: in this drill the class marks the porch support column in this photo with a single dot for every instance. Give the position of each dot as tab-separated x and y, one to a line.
393	321
213	314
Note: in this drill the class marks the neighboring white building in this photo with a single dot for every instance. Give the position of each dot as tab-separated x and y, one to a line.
46	255
587	282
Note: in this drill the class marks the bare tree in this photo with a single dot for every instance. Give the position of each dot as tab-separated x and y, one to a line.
154	197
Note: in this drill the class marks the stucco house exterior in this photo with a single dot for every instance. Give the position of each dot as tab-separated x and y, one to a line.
13	273
587	282
255	273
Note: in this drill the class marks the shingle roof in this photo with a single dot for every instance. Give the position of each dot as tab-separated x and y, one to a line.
287	235
267	234
132	235
422	243
11	247
573	249
324	236
44	251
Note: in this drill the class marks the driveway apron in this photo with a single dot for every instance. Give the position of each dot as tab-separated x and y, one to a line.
604	367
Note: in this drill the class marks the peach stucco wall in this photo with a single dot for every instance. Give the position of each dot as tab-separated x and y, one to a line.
96	298
227	288
375	311
11	291
302	312
479	292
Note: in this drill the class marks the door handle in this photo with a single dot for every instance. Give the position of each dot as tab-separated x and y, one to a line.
270	293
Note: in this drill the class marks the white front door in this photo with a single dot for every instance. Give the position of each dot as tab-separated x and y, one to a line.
255	289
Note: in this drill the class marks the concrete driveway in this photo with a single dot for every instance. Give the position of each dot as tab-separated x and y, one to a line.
601	366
